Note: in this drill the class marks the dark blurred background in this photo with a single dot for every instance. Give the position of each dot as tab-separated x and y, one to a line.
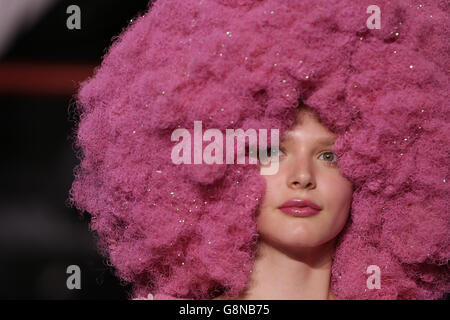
42	63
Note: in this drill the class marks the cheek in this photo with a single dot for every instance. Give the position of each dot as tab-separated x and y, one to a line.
333	191
270	194
338	194
267	218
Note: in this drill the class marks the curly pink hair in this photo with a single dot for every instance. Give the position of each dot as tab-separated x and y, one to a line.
189	231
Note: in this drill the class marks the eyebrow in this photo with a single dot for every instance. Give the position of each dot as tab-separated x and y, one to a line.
325	141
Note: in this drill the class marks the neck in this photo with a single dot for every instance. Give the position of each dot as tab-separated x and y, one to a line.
282	275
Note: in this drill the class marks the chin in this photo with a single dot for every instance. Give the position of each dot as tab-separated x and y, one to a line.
293	240
307	237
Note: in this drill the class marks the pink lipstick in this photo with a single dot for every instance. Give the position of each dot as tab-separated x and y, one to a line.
300	208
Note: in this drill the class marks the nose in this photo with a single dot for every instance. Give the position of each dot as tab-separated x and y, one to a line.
301	175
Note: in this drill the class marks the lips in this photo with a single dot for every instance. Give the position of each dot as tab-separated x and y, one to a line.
300	208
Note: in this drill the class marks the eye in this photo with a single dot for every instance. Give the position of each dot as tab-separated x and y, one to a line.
251	152
271	152
330	157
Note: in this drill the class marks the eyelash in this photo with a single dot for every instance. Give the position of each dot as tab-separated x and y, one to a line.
269	151
331	163
334	157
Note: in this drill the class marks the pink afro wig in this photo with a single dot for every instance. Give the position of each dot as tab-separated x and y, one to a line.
189	231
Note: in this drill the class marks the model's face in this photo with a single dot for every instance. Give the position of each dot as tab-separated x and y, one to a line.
307	170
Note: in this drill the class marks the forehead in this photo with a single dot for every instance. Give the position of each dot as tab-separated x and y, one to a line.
307	126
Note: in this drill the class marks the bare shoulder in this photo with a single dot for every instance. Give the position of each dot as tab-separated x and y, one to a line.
149	297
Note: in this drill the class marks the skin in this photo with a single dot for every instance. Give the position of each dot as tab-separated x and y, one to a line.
294	255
